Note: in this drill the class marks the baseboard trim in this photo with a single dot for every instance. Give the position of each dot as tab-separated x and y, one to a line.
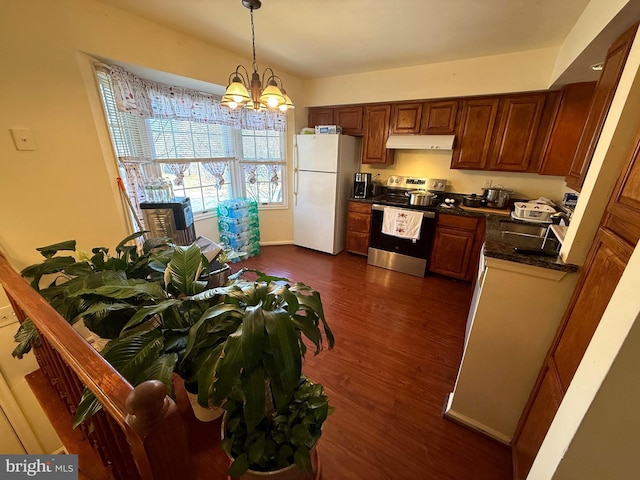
472	424
282	242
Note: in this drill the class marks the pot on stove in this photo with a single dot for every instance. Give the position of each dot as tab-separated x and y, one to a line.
420	197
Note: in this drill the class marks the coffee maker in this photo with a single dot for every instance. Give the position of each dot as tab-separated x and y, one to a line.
362	185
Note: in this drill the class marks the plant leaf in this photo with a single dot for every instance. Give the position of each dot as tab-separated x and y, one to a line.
127	239
239	466
129	355
50	265
26	336
286	351
229	366
50	250
88	406
147	311
253	336
132	289
302	457
253	386
185	268
160	369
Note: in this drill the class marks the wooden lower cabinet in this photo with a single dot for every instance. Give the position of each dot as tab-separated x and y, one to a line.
358	227
543	409
456	246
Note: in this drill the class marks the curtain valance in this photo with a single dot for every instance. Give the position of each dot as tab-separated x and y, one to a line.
151	99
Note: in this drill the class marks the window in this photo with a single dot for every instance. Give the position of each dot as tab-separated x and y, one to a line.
204	161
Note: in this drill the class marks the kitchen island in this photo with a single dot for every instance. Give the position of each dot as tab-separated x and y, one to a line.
517	305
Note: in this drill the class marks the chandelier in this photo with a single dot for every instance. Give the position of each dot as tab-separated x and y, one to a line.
248	93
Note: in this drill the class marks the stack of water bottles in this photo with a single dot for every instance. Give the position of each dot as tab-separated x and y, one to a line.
238	225
158	190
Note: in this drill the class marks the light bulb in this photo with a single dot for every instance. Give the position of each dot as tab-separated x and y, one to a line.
283	107
237	99
272	102
233	104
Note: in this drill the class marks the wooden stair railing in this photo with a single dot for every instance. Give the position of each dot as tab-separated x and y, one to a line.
139	433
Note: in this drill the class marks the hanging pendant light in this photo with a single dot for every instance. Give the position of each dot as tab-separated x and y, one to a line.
246	92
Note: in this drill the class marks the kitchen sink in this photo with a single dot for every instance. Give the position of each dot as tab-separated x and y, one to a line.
513	228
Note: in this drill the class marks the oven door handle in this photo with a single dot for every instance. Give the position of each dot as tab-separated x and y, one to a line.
425	213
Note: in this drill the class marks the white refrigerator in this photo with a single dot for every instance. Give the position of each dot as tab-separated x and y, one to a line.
324	166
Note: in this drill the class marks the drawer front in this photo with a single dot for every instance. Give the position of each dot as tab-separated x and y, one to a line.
458	221
357	242
358	222
361	207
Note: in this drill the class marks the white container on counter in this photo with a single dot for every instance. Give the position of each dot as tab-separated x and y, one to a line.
532	211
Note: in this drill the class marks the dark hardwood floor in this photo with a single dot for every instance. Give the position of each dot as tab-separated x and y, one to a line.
399	341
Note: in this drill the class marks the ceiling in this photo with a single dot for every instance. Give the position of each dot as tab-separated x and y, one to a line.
320	38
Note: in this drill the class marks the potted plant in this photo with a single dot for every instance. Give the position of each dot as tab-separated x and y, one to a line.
141	302
250	348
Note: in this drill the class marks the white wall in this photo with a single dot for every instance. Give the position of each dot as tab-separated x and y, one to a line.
514	72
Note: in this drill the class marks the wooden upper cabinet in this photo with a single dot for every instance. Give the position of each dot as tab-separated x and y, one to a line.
439	117
406	117
565	129
602	98
320	116
514	137
477	121
376	130
349	118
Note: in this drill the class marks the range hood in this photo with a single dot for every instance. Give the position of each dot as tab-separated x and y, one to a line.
421	142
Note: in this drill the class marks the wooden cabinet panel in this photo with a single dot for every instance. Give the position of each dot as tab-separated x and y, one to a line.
456	246
406	117
602	98
375	133
360	207
439	117
358	227
608	260
566	128
359	222
320	116
349	118
451	252
514	137
623	212
542	410
477	121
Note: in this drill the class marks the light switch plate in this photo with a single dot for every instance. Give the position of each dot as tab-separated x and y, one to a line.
23	138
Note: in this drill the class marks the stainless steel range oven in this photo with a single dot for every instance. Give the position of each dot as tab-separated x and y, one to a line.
399	253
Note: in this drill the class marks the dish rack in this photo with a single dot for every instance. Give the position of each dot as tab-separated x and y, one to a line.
532	211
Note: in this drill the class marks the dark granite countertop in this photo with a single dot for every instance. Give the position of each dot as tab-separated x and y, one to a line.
499	245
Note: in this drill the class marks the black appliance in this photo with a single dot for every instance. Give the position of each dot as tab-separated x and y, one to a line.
173	220
362	185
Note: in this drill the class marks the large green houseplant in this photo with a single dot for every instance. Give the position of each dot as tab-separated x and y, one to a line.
242	344
138	299
250	348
